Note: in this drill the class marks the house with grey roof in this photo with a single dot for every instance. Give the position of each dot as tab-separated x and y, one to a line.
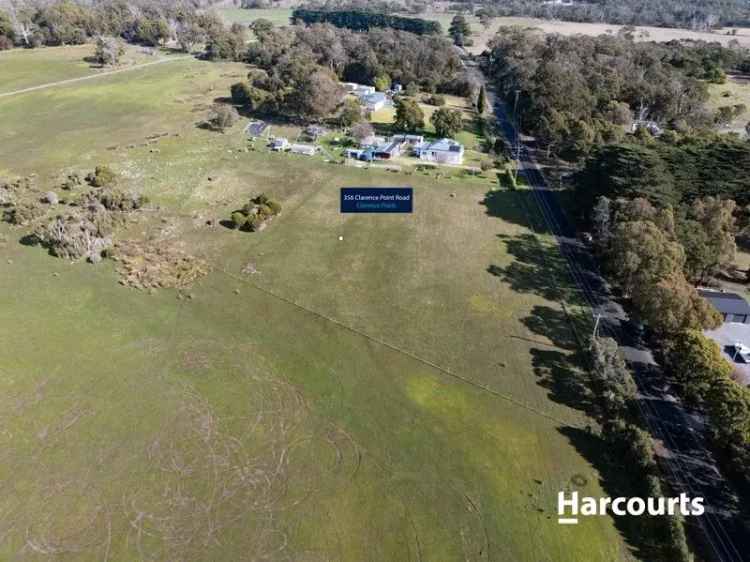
731	306
442	151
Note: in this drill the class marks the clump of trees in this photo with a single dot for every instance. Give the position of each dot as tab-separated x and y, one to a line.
460	31
693	14
109	50
447	122
576	93
359	20
254	216
667	173
69	22
298	70
222	117
644	256
409	116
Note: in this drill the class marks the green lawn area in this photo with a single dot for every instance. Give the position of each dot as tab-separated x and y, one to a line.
24	68
278	16
735	91
406	393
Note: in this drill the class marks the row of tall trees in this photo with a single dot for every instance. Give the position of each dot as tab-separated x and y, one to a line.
28	23
361	20
692	14
706	380
575	93
632	448
668	173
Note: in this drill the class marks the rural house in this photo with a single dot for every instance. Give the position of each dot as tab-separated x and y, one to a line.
443	151
373	102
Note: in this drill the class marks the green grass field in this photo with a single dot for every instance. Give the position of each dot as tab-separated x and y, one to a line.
278	16
406	393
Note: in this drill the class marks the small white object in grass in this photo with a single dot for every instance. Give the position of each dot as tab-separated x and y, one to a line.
341	237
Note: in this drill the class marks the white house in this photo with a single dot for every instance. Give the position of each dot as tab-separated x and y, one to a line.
443	151
279	144
358	89
374	101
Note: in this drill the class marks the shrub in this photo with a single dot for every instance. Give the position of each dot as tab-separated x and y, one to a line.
486	165
241	94
274	205
239	219
101	176
265	211
436	99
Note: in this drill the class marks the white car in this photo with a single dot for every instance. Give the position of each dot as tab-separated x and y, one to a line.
741	351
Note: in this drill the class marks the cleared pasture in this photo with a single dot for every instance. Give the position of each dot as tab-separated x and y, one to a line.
406	393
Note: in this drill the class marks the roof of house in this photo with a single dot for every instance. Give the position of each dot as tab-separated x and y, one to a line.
726	303
443	145
374	98
255	128
388	147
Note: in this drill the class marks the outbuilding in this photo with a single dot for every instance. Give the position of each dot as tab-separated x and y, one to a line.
731	306
305	149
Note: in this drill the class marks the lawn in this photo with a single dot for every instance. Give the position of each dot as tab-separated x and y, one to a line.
278	16
406	393
735	91
24	68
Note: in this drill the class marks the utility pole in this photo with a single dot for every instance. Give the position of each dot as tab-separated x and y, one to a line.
596	326
517	135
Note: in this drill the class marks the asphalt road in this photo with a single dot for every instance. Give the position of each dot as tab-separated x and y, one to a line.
685	458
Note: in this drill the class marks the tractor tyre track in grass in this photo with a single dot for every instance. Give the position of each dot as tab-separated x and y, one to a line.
90	77
402	351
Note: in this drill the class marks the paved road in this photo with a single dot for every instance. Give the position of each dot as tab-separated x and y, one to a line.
91	76
686	460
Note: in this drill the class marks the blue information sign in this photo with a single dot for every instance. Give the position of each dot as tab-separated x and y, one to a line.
377	199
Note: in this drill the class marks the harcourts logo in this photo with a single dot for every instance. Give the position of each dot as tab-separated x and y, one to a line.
569	507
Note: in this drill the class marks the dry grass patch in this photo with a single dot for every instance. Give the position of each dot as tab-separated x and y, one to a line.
156	264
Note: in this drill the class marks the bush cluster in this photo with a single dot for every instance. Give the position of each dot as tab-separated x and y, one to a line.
254	215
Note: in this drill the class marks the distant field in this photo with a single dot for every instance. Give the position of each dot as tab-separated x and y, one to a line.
279	16
23	68
406	393
482	35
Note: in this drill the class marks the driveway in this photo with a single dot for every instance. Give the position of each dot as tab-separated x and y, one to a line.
726	336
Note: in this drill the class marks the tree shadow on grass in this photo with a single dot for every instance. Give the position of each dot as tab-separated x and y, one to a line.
538	268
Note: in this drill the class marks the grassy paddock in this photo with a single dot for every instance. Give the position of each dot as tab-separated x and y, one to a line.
408	392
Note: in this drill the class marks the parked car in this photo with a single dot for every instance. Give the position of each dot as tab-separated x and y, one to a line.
741	351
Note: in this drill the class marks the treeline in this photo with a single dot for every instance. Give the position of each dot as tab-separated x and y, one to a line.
297	69
655	251
692	14
66	22
631	449
667	172
361	20
706	380
575	93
